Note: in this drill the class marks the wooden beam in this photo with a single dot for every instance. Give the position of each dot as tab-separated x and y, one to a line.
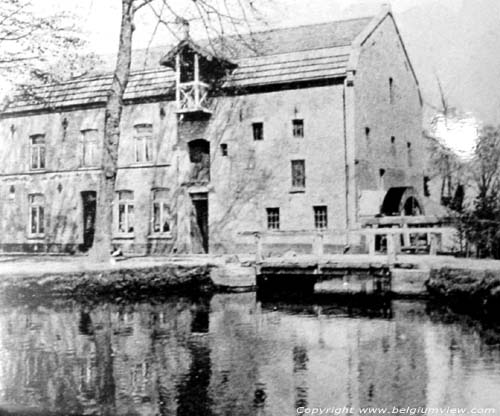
178	80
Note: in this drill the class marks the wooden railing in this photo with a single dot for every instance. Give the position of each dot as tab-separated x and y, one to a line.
192	96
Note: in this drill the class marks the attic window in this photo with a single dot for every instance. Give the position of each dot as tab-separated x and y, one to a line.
258	131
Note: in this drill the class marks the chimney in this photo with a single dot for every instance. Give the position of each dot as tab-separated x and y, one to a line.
184	27
386	7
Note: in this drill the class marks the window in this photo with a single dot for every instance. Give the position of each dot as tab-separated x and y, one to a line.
143	140
320	217
37	151
298	128
223	149
90	151
125	212
258	131
391	91
298	173
161	212
273	218
37	214
410	157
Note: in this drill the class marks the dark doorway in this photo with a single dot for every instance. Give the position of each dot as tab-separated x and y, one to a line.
200	202
89	207
199	156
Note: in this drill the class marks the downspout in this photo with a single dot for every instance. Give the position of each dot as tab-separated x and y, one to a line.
346	166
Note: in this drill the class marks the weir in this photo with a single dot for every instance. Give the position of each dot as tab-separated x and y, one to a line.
324	276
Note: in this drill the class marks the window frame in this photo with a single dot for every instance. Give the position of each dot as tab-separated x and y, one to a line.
298	182
88	142
40	149
258	131
320	213
298	129
143	143
165	215
39	207
128	210
273	218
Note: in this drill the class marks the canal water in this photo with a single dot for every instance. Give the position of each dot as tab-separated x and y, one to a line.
233	354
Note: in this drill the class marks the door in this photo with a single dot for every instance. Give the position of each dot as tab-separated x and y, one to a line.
200	203
89	207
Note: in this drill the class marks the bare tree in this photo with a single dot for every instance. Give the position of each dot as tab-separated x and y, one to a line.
214	16
38	49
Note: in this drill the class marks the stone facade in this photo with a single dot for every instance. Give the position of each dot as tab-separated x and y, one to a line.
191	182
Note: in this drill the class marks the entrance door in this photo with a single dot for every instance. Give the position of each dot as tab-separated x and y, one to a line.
200	202
89	207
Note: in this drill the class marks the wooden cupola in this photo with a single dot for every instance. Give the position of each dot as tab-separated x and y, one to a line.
196	71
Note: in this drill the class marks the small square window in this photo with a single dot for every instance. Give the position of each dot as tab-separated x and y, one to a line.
298	128
223	149
273	218
320	217
258	131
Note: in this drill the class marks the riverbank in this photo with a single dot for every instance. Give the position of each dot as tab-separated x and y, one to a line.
475	291
79	277
475	282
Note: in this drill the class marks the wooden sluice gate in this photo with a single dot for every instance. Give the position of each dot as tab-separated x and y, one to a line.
329	277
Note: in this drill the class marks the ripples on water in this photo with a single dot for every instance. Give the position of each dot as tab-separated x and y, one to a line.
234	355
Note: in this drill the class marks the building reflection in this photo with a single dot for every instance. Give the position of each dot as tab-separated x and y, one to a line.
231	354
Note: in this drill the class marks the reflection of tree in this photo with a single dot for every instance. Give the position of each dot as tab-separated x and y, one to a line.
105	381
193	395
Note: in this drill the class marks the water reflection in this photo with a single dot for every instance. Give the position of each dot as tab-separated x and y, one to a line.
235	355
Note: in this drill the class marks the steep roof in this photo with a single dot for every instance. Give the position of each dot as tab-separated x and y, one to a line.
278	56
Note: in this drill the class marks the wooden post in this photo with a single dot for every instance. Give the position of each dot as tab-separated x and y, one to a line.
196	81
371	243
406	236
258	240
391	247
178	80
433	244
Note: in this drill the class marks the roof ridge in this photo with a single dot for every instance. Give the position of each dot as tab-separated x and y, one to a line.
277	29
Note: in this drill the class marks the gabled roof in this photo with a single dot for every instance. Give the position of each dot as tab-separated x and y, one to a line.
278	56
169	59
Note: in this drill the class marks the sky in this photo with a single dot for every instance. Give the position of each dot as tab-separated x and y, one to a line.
100	19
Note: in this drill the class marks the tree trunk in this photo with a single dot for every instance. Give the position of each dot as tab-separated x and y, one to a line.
105	196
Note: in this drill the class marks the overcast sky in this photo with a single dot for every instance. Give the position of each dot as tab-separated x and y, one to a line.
100	18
